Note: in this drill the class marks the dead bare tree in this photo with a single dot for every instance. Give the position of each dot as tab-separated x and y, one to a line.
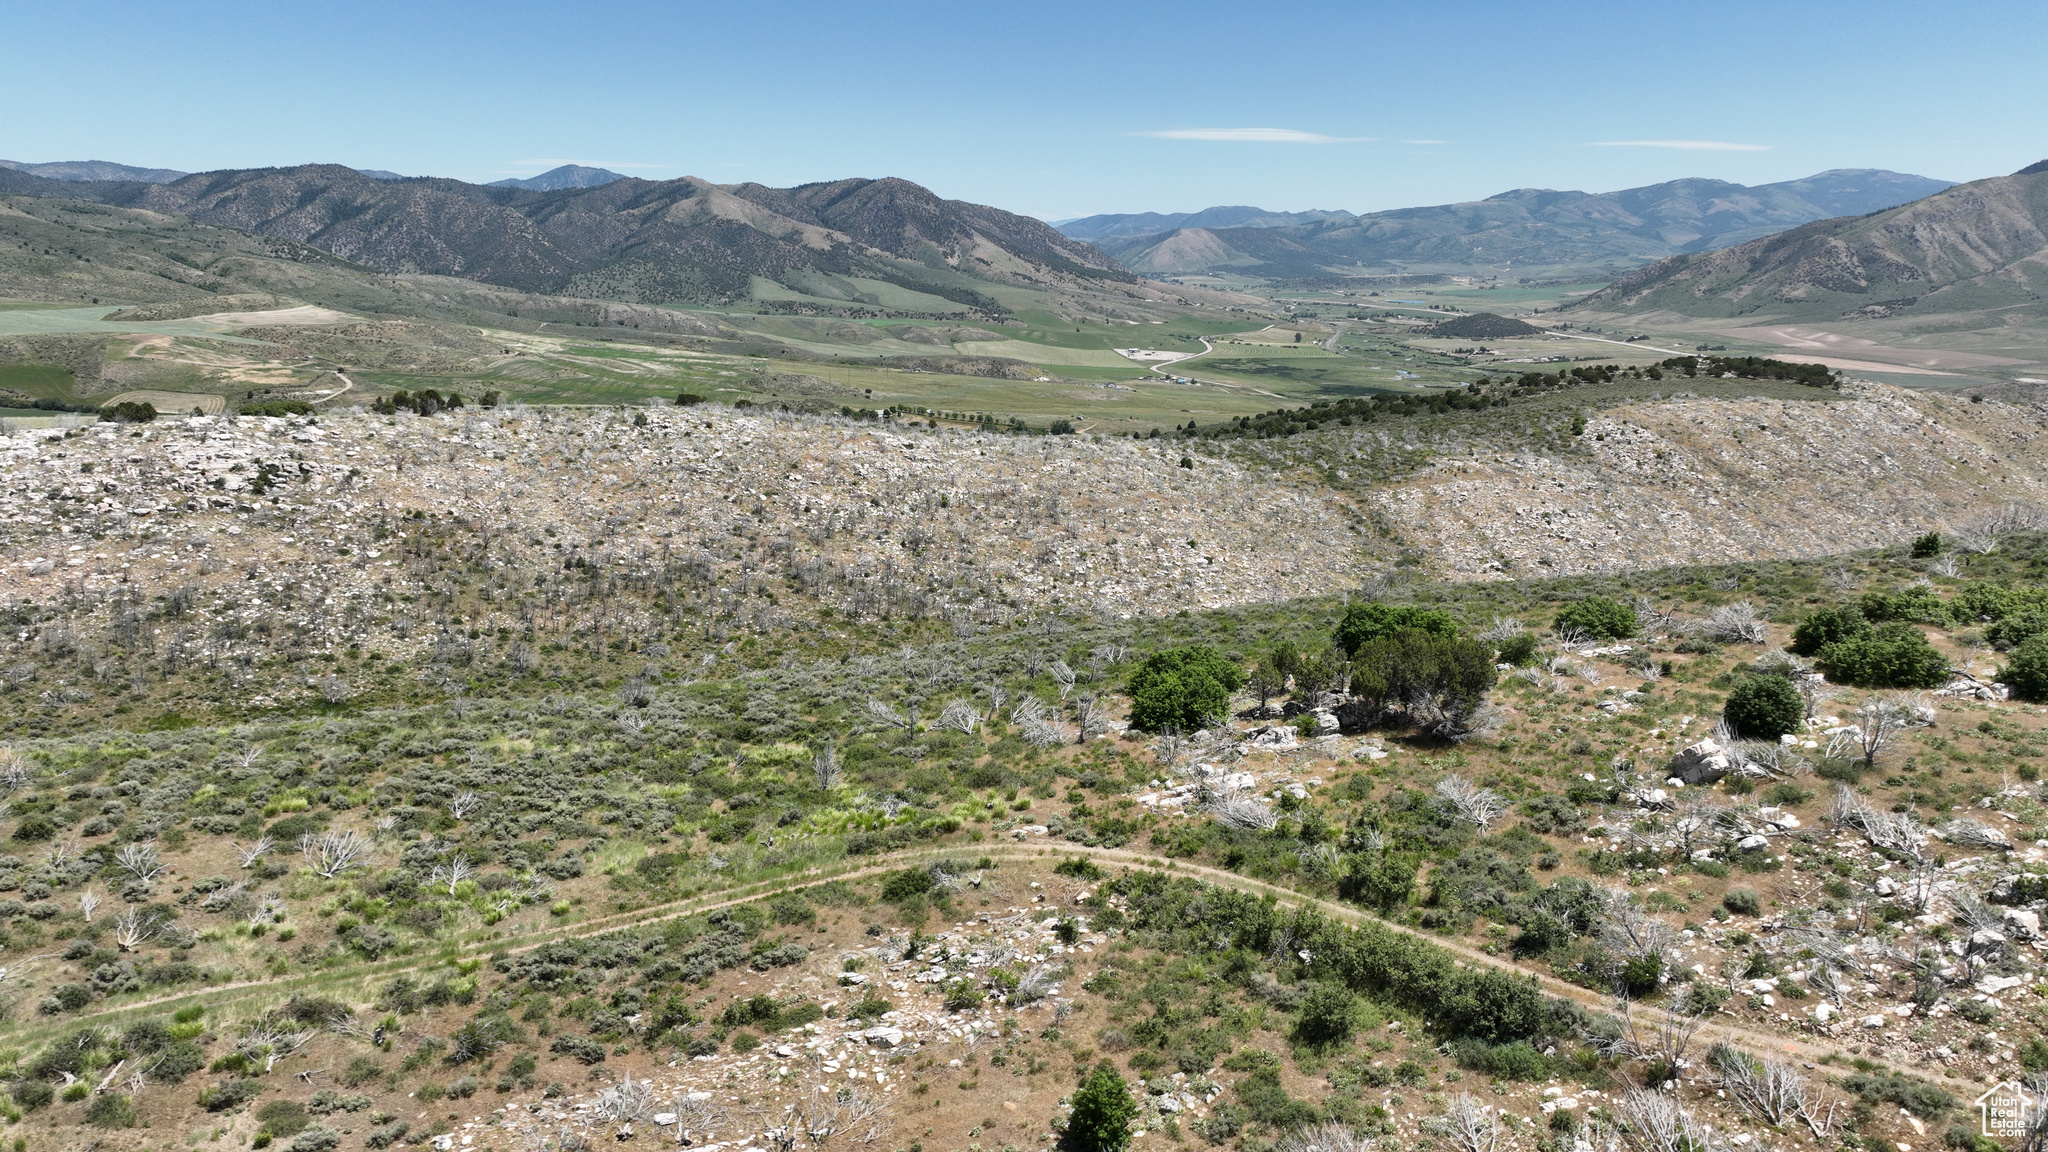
1824	979
463	804
1171	747
1665	1042
330	854
626	1101
1043	732
1088	715
1881	721
1736	623
959	716
1063	676
140	860
1975	834
135	928
1324	1138
1467	1125
453	872
825	769
1036	983
267	910
1694	816
822	1114
1238	810
1653	1122
88	903
696	1113
250	854
886	716
1982	533
1502	628
2034	1127
1469	802
1773	1091
270	1042
1630	932
14	773
1897	832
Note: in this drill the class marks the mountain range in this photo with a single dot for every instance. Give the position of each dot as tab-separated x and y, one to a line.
79	170
855	243
556	179
1978	247
1525	232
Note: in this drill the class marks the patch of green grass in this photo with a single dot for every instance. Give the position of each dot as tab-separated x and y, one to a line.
38	380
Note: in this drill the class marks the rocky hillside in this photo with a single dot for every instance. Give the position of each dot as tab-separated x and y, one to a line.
1973	247
869	520
1683	481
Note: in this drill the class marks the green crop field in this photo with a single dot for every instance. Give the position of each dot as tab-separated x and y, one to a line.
37	380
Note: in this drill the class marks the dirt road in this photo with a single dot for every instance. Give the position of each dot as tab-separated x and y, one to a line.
476	942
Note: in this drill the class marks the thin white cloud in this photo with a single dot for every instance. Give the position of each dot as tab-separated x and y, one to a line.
1689	145
1252	135
558	162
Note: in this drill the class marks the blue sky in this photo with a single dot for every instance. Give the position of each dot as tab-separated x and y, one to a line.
1055	109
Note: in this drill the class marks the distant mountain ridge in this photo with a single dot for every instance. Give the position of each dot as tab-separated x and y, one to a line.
860	242
556	179
1981	246
1525	231
1093	228
77	170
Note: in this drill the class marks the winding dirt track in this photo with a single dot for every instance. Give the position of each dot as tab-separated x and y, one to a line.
1757	1043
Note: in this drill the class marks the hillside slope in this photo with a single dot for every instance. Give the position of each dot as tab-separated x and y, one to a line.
1701	481
1982	245
1532	229
629	239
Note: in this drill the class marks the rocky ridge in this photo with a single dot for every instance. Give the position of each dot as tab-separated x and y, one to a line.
1684	480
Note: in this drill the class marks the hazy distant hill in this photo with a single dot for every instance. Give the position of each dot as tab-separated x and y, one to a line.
1529	230
1092	228
1981	245
94	170
556	179
633	240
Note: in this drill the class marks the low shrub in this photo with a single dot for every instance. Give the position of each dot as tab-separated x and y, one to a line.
579	1048
1519	649
283	1117
1828	626
1895	655
111	1110
1182	688
1764	707
2027	669
1598	617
